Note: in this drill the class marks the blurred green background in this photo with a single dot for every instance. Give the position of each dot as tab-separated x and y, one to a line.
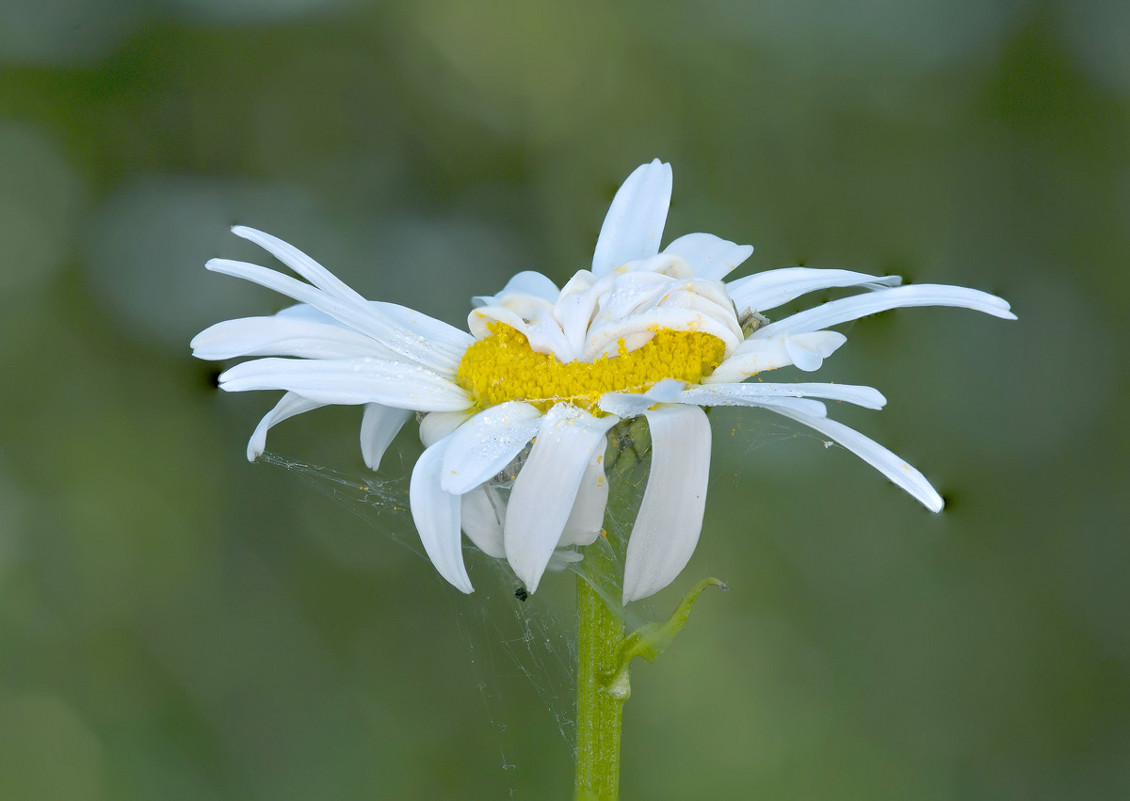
178	624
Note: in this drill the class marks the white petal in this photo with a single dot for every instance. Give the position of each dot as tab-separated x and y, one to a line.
379	427
527	282
844	309
632	292
634	223
586	520
290	405
670	516
768	290
812	408
543	494
480	448
575	309
639	329
304	311
426	330
757	393
483	512
630	404
540	327
803	355
437	517
359	315
284	336
298	261
350	381
874	454
756	355
434	426
709	255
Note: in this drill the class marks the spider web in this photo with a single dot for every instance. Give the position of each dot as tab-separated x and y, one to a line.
522	647
520	650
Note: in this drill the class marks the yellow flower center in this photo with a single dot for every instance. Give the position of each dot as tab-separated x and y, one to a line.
502	367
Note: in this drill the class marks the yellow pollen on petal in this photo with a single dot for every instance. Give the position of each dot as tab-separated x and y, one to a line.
502	367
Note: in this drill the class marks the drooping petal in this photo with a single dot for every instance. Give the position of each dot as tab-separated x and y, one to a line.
350	381
437	517
634	223
284	336
379	427
887	463
757	393
486	443
290	405
483	512
527	282
670	517
758	355
586	520
768	290
845	309
544	492
711	256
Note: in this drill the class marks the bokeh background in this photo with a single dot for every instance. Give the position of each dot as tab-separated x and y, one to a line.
178	624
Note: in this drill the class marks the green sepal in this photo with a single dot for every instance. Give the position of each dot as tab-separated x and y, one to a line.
651	640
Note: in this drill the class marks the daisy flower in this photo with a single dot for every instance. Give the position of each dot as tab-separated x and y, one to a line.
645	331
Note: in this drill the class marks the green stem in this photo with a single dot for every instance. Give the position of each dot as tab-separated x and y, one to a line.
600	631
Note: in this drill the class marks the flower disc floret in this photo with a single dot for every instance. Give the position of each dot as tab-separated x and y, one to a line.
503	367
